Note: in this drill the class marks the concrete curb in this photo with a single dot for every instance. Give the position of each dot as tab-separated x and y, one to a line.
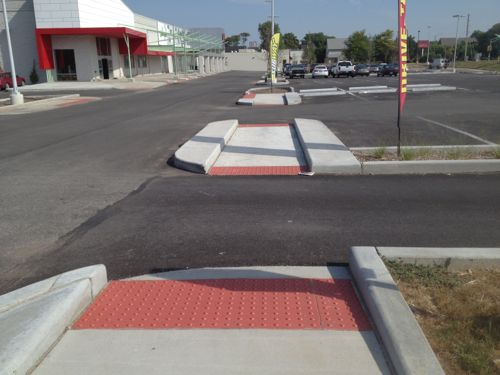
200	152
34	317
430	167
324	152
40	102
406	345
444	148
334	91
292	98
454	259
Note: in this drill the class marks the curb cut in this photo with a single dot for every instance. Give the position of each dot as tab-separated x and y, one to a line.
33	318
324	152
201	151
401	335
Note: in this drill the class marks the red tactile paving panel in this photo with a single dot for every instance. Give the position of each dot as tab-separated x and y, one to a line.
258	171
249	95
262	125
70	103
227	304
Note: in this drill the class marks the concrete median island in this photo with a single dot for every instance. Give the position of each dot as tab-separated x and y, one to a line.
266	96
303	147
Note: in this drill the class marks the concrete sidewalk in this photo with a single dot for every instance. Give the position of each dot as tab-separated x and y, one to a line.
276	320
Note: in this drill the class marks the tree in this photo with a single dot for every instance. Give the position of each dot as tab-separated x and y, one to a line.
319	41
412	48
290	41
309	54
384	46
484	39
357	47
265	34
244	38
233	40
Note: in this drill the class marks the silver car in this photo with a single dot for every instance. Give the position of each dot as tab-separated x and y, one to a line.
320	71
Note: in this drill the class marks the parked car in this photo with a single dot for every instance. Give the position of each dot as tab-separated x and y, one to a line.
439	64
388	70
297	71
343	68
374	68
320	71
362	70
286	69
6	80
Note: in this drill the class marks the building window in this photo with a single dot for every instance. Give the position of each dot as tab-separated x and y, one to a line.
103	47
142	61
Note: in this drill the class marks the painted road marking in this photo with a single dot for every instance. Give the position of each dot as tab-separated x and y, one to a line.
457	131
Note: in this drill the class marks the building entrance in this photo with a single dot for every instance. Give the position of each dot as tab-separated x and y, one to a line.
65	65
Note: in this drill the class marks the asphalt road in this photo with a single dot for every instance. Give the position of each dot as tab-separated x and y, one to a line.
69	180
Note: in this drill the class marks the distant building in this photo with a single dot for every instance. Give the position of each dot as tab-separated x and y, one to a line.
335	50
253	44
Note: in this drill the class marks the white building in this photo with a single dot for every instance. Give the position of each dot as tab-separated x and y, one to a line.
96	39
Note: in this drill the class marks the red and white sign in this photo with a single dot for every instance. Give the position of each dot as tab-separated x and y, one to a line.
423	44
403	54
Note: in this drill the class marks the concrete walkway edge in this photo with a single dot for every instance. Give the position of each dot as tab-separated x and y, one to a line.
406	344
33	318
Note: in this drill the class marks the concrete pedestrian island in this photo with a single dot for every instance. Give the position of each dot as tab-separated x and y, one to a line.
230	148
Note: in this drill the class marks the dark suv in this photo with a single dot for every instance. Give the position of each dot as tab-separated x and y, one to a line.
388	70
297	71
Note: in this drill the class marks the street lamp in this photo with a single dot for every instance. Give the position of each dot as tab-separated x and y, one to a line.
15	97
457	16
418	47
429	46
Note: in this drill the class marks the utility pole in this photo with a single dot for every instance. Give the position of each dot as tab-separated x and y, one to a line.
457	16
272	18
15	97
467	38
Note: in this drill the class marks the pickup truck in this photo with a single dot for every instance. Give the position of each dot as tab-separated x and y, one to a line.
343	68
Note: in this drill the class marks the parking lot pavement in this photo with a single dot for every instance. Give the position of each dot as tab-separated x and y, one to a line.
370	120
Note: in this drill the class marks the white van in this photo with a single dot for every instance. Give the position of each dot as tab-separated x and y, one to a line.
439	64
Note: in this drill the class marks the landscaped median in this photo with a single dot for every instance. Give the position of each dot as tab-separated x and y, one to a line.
458	310
429	159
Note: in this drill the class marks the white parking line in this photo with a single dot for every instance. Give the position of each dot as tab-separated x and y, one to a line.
457	131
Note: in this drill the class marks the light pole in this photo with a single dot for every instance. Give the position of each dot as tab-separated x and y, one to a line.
429	46
418	48
467	38
457	16
15	97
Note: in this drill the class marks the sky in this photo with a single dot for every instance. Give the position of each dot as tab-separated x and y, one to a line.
337	18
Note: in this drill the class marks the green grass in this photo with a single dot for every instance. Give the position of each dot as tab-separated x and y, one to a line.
423	275
497	153
407	154
379	153
493	65
459	313
458	154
